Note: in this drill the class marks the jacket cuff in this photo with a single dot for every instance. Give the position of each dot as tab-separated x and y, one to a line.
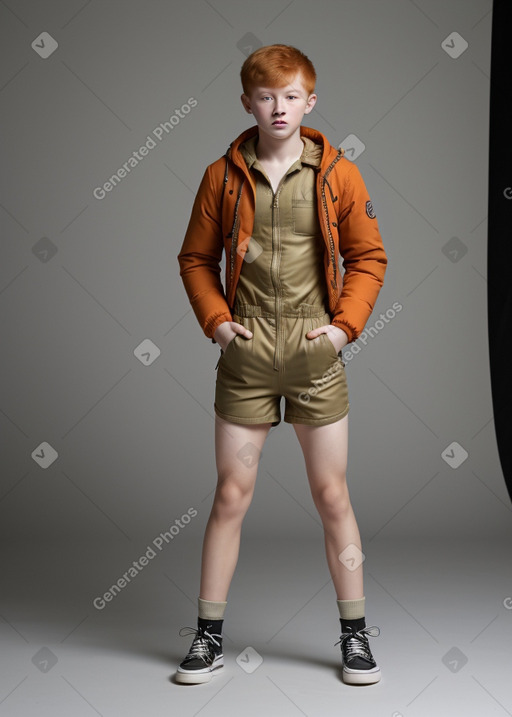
215	321
349	329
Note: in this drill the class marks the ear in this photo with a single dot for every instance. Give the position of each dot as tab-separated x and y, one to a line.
246	103
310	104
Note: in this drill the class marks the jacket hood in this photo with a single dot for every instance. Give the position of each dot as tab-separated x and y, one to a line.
311	151
328	152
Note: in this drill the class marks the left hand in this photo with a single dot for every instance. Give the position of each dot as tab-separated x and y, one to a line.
337	336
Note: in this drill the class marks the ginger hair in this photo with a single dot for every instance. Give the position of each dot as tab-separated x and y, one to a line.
276	66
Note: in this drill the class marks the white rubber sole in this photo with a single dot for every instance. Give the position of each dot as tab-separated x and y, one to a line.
197	677
361	677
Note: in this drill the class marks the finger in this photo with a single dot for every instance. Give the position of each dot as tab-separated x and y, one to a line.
243	331
313	333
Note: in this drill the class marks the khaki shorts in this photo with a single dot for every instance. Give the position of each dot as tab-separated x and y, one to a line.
253	374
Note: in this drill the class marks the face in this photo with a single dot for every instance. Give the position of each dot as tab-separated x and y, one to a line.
278	111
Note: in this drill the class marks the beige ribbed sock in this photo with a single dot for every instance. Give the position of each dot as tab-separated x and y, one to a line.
351	609
211	610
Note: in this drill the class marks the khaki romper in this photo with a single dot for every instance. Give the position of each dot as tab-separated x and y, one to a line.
280	296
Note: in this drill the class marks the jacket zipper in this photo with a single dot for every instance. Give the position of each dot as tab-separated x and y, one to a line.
234	230
324	203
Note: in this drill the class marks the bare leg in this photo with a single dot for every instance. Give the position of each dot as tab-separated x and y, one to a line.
237	452
325	455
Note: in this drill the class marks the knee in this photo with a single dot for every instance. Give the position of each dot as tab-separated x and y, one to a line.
231	499
333	501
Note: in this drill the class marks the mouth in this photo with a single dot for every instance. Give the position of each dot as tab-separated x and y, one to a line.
277	123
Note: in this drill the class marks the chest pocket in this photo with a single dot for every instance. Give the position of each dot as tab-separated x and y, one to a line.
304	211
304	217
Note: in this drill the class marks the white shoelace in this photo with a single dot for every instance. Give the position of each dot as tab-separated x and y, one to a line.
201	646
356	643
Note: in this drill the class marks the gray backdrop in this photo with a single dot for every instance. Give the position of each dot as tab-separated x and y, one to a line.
107	419
85	280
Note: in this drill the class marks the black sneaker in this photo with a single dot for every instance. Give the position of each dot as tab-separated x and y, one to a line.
359	666
204	656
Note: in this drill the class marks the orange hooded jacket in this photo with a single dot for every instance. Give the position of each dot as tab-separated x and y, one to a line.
223	217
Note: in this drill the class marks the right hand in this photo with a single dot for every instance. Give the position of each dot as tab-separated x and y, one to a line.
226	332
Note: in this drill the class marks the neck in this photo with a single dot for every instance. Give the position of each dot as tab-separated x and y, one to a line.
273	149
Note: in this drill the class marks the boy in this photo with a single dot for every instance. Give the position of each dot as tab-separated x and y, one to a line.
284	205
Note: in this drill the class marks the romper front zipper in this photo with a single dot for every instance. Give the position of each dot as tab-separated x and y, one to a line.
274	274
236	223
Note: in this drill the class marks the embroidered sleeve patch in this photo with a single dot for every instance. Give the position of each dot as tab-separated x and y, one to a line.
370	210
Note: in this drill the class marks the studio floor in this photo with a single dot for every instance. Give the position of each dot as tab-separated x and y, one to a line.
444	608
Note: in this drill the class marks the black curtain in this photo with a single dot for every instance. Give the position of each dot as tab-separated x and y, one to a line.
499	247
